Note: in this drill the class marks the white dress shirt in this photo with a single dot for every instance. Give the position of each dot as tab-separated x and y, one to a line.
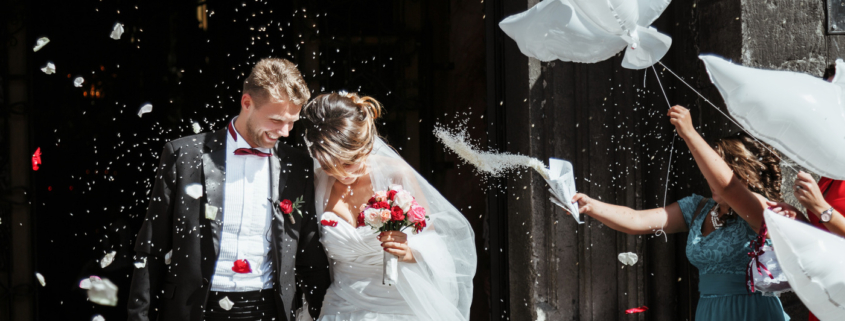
246	220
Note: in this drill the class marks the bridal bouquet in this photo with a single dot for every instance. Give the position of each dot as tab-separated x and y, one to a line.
392	210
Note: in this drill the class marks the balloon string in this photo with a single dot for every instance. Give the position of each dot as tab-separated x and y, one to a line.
660	231
719	110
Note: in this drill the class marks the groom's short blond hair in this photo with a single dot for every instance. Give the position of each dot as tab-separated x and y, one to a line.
277	78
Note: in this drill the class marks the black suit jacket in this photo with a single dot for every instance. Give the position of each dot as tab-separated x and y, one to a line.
176	221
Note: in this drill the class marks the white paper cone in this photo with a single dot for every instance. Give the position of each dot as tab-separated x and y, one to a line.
391	269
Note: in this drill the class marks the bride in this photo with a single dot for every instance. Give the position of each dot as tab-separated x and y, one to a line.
436	266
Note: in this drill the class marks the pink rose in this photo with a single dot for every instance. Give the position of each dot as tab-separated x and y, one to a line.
385	215
381	196
416	214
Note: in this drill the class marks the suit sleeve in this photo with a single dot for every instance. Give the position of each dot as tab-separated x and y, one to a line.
154	241
312	265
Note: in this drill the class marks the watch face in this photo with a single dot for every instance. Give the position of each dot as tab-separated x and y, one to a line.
825	218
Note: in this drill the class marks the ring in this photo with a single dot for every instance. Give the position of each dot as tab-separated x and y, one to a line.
797	186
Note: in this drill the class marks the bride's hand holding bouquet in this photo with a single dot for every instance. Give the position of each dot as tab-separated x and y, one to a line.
389	212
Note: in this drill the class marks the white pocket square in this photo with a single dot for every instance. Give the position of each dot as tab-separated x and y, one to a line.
211	211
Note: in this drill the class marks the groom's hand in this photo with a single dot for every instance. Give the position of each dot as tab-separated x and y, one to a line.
396	243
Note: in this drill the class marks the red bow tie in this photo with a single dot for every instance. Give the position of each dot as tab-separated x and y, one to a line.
251	151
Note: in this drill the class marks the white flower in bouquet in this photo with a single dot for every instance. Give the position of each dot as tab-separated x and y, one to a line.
396	188
372	217
404	200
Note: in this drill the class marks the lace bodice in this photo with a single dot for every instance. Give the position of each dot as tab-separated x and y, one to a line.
723	251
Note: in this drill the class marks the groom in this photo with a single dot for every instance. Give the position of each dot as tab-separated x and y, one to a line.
215	244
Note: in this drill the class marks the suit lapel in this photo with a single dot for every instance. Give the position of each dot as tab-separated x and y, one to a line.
279	172
214	182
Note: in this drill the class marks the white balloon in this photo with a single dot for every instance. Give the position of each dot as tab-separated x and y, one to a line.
812	260
618	17
800	115
590	31
532	25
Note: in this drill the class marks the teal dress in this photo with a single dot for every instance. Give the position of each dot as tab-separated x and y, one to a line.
721	258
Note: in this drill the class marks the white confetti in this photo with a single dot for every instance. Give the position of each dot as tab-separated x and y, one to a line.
85	284
49	69
226	304
494	164
40	279
194	190
628	258
78	82
140	264
40	43
211	211
145	109
98	318
107	259
117	31
196	127
167	257
102	291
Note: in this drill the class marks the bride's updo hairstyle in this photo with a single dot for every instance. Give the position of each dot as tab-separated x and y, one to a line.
340	130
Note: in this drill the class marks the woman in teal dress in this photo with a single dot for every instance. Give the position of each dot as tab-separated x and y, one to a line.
742	175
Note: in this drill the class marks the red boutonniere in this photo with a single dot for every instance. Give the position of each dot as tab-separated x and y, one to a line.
287	207
331	223
241	266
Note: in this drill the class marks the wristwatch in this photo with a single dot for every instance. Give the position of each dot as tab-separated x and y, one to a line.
826	215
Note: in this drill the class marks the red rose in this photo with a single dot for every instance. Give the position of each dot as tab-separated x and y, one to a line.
418	226
361	219
286	206
381	205
241	266
397	214
372	200
391	194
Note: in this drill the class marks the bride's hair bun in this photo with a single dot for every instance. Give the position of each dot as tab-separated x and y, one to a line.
340	129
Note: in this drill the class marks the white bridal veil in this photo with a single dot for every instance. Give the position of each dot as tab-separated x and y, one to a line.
439	285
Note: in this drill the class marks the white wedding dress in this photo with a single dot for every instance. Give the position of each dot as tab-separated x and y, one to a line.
437	287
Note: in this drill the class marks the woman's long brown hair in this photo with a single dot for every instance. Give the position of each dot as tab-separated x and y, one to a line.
755	163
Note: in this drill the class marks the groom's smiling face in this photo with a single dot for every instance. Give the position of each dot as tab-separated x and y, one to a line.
267	120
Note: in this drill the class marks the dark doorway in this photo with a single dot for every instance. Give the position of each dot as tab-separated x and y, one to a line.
424	60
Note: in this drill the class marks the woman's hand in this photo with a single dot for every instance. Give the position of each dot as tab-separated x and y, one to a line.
807	192
786	210
680	117
396	243
585	203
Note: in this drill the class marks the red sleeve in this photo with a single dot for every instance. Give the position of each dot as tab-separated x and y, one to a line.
835	193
